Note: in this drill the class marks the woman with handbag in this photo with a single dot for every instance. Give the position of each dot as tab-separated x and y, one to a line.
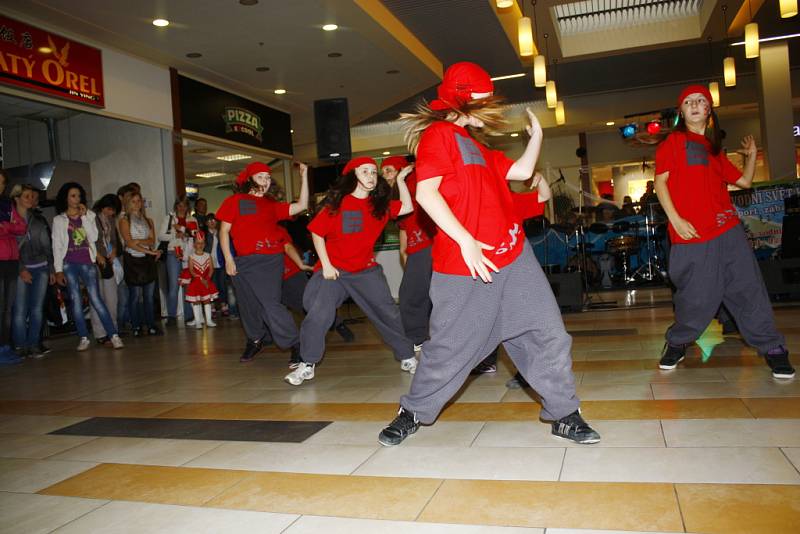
140	256
107	247
177	231
74	253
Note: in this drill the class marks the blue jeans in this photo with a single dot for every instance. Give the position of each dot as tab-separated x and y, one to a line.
123	307
29	308
135	296
219	280
86	273
174	266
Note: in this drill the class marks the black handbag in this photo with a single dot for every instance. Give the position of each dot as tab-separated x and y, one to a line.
139	271
107	270
163	246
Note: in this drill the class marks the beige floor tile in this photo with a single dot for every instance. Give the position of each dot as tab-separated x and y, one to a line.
147	518
139	451
207	394
442	434
292	457
292	394
655	376
592	531
37	447
614	392
472	393
647	507
793	454
40	514
400	380
708	390
119	409
732	432
536	434
352	496
157	484
740	509
125	393
465	463
309	524
785	408
732	465
37	424
29	476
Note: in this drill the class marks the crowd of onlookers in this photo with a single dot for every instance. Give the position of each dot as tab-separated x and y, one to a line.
110	257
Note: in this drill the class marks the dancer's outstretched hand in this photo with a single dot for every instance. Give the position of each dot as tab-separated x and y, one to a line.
534	127
477	263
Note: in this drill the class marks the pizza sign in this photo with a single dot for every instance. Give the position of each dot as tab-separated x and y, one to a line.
47	63
242	121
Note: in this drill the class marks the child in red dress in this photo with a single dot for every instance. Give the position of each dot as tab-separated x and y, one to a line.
196	279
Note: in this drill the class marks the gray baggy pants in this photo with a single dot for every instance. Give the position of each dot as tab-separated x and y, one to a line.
415	300
721	271
470	318
258	290
370	292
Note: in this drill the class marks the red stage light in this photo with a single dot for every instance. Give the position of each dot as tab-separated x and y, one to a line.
653	127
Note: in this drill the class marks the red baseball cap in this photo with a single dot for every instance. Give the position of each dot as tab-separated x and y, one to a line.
398	162
459	82
691	89
253	168
355	163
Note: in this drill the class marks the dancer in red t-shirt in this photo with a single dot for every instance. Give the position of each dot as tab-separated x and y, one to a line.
250	217
352	217
711	262
487	286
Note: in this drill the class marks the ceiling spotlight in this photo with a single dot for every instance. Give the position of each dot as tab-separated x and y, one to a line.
610	123
628	130
209	174
280	91
335	54
234	157
262	69
334	154
160	23
45	49
291	131
515	134
194	55
330	27
386	153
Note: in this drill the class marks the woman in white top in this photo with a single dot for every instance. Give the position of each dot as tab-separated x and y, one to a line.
177	229
138	233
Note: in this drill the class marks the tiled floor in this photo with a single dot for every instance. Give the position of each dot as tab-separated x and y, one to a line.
196	442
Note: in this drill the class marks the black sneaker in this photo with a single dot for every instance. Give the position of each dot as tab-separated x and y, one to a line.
295	359
779	363
251	349
103	340
171	321
137	332
153	331
671	356
404	425
484	368
44	349
574	428
517	382
347	335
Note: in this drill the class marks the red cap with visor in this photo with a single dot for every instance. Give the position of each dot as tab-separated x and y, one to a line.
460	81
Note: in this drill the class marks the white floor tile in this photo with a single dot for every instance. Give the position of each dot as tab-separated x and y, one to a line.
37	447
465	463
689	465
442	434
794	456
309	524
120	517
536	434
732	432
30	476
148	451
37	424
656	376
34	514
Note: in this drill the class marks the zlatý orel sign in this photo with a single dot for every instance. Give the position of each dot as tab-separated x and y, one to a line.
48	63
243	121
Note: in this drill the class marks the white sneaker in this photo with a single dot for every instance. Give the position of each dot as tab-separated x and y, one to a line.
84	344
116	342
198	324
304	371
409	365
193	322
417	349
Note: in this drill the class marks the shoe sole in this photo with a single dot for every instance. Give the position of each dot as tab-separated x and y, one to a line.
385	444
585	442
296	382
783	376
670	367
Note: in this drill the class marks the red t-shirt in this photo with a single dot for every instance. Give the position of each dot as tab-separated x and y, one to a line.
475	188
254	223
290	268
527	205
418	226
697	184
351	232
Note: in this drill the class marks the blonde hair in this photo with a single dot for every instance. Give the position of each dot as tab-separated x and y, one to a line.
488	110
129	201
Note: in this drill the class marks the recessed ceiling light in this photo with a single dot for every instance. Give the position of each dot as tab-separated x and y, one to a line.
234	157
330	27
334	154
291	131
45	49
386	153
194	55
248	2
280	91
201	150
262	69
393	71
209	174
335	54
515	134
160	23
610	123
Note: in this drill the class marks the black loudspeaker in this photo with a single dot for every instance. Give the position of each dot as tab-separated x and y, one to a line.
790	238
332	124
782	278
567	290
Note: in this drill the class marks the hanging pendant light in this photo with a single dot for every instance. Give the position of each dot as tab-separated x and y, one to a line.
788	8
713	88
561	116
525	35
502	4
729	70
751	36
550	91
539	71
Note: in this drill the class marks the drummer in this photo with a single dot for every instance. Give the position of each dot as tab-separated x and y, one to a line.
628	207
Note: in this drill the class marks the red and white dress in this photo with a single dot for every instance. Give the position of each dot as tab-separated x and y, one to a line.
199	268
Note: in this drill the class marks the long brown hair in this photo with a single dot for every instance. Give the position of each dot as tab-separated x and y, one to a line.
489	110
712	132
378	197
